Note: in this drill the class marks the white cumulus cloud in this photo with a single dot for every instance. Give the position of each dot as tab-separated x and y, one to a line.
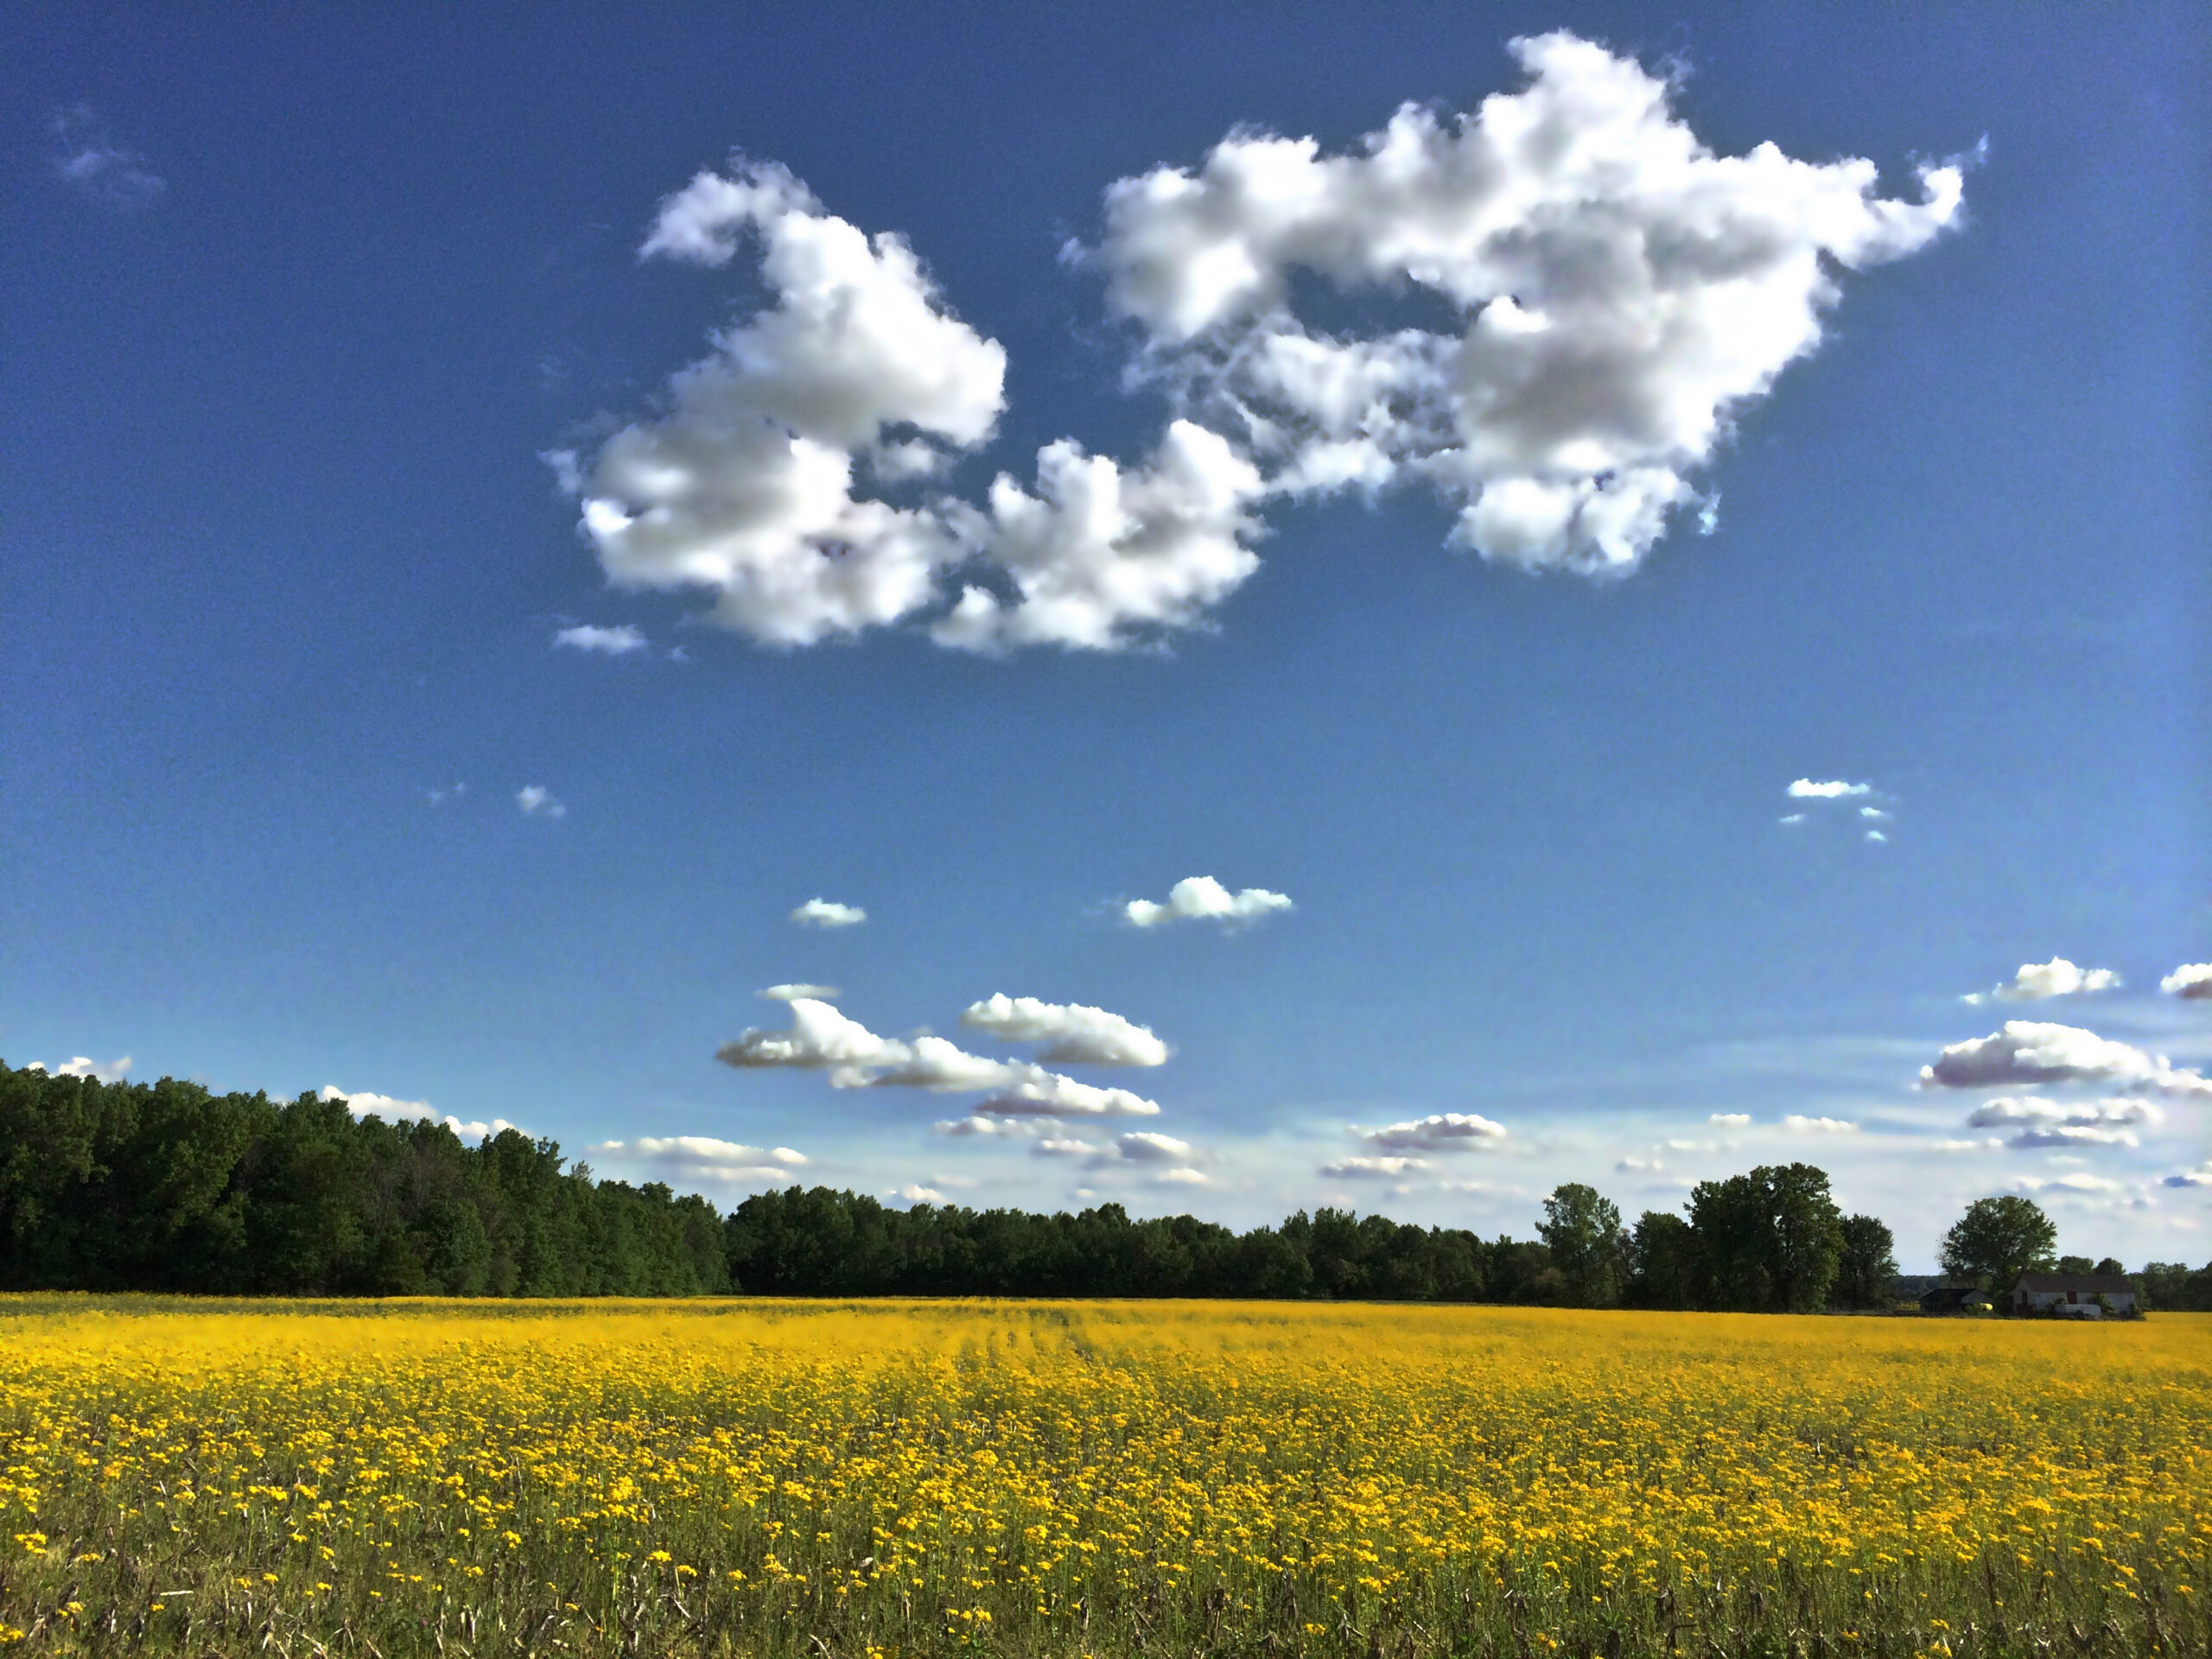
1073	1032
792	992
1099	555
746	488
367	1103
1619	293
2032	1052
821	1039
1440	1132
1200	898
1616	295
2038	980
2192	980
1733	1120
82	1065
536	801
618	641
827	912
1807	789
1797	1125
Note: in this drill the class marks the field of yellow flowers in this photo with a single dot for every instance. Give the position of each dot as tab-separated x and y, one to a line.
922	1478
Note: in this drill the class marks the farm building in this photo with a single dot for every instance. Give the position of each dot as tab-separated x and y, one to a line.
2080	1295
1948	1296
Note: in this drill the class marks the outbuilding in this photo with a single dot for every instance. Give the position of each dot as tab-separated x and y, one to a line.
2073	1295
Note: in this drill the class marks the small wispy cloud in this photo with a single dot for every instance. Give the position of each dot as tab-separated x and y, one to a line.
619	641
793	993
1438	1132
827	912
1797	1125
88	161
1806	788
441	796
704	1157
1731	1120
538	802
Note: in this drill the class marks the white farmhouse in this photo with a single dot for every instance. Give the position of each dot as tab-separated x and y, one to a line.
2072	1295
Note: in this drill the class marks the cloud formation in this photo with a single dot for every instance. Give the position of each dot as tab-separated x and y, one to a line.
702	1158
1806	788
1200	898
88	161
536	801
83	1066
1614	296
2192	980
2031	1051
792	992
827	912
1360	1166
1797	1125
1619	292
2041	1122
366	1104
619	641
821	1039
1440	1132
1073	1033
2037	981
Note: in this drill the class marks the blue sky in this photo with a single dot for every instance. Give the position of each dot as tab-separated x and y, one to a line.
323	337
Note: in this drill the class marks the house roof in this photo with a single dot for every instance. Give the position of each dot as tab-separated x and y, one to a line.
2105	1284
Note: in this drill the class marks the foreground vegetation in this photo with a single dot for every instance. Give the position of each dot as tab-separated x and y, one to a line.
733	1477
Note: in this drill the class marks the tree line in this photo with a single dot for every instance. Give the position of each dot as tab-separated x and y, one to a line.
167	1186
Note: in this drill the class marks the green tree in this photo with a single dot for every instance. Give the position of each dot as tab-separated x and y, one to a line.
1663	1258
1869	1263
1583	1232
1999	1239
1767	1241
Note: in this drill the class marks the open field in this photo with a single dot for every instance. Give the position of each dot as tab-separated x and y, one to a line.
742	1477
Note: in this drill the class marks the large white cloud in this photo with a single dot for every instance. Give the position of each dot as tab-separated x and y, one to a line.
821	1039
746	488
2037	981
1438	1132
704	1157
1619	293
2031	1052
1073	1032
2192	980
1832	789
1200	898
